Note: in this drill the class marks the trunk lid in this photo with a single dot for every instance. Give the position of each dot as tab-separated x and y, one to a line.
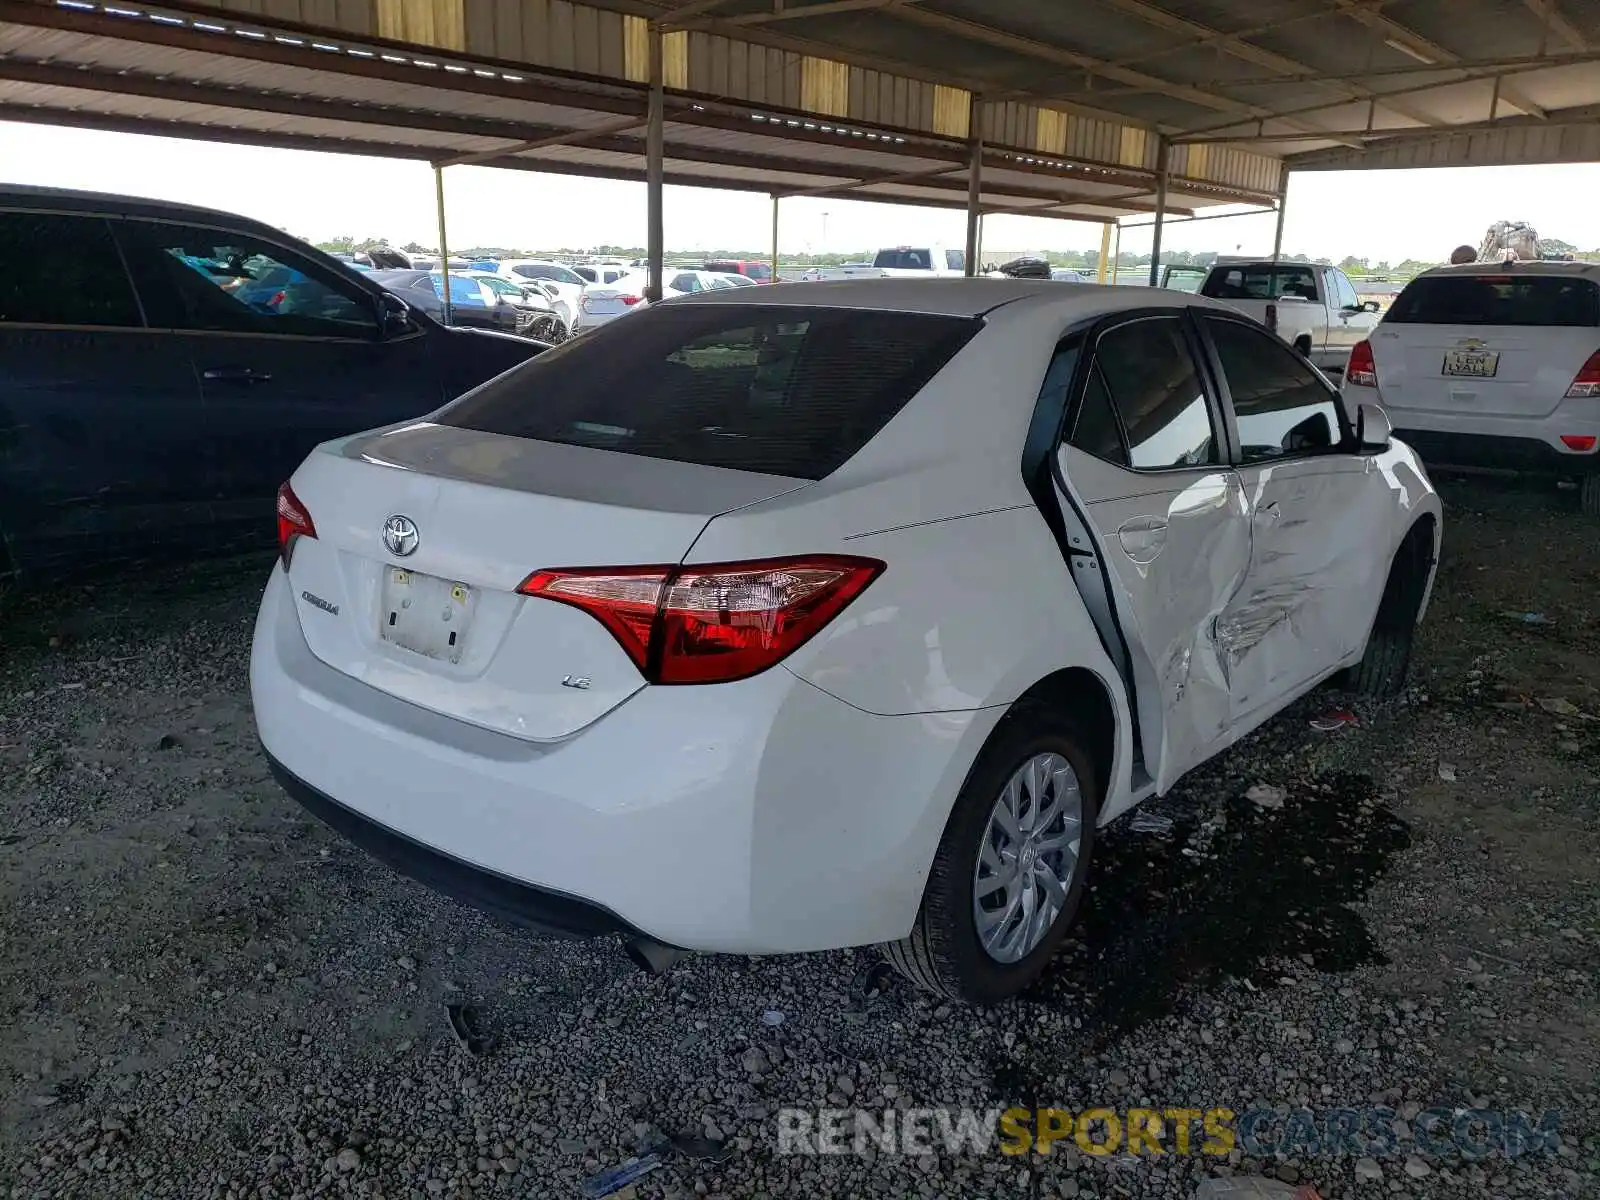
1424	368
443	626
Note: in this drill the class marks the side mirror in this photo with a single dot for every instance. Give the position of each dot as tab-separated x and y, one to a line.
1370	306
395	316
1373	430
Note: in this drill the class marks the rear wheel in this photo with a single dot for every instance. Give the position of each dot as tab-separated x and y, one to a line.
1589	495
1009	873
1382	670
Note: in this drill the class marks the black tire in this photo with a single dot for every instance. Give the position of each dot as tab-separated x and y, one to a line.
1589	496
1382	670
942	954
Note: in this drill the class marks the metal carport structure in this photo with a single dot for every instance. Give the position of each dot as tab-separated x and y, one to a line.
1092	111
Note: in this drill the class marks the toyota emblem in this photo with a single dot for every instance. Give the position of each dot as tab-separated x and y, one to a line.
400	535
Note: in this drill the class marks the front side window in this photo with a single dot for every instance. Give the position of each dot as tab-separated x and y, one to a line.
779	390
1345	290
1154	388
685	283
62	270
757	271
212	279
587	274
1283	409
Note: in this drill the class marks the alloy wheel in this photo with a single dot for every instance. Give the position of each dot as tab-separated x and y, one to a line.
1029	857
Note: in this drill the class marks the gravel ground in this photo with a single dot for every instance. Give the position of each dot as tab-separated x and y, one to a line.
204	993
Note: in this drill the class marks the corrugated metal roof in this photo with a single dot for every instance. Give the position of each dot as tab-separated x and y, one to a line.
177	72
866	97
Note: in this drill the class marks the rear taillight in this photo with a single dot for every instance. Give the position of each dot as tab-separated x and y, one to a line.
294	523
1271	318
1362	369
1583	443
1587	381
630	301
583	302
712	623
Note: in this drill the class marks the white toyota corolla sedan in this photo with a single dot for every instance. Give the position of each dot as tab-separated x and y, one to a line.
789	618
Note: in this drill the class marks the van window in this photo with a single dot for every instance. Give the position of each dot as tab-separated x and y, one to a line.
62	270
779	390
1568	301
217	280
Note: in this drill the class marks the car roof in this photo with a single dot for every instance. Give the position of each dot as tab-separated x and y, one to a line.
957	297
71	200
1515	267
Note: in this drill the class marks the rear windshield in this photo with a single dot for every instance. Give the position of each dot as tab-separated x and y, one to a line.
1556	300
1260	281
905	259
780	390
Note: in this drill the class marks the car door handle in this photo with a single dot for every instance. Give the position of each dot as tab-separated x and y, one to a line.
1143	538
237	375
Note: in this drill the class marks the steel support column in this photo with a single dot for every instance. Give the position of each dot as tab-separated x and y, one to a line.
1105	248
1163	149
775	199
444	246
654	170
1116	252
974	183
1283	203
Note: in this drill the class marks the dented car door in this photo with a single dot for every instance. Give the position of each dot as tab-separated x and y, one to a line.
1315	512
1157	533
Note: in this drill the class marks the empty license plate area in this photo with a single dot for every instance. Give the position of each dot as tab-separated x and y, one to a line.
425	614
1475	364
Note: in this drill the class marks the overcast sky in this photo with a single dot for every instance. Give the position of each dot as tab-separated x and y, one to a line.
1390	215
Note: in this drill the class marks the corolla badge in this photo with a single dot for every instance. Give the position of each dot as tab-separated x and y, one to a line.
400	535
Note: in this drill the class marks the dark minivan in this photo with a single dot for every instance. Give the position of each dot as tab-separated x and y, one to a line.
164	368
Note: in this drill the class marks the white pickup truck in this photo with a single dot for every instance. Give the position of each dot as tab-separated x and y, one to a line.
908	262
1312	307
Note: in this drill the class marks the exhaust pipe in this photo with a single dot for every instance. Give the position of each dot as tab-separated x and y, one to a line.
651	956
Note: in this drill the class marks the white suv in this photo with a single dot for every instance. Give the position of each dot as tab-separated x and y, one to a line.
739	626
1493	365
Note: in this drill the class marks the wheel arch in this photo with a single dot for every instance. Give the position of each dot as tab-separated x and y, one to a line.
1087	698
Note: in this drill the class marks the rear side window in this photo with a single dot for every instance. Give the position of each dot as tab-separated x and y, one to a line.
780	390
1260	281
1150	377
1553	300
60	270
756	271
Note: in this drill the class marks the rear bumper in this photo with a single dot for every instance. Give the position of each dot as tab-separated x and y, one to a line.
762	816
509	899
1525	455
